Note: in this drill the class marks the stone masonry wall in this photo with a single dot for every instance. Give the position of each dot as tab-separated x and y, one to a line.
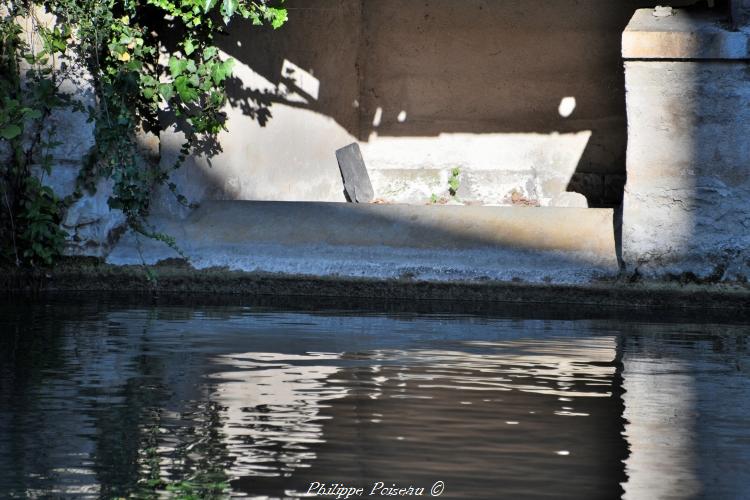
686	208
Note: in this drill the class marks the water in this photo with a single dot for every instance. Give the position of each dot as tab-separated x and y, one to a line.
105	400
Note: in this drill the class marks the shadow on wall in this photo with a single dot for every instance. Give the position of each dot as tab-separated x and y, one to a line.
526	89
529	70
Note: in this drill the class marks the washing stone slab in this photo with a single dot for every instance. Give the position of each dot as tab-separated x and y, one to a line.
441	243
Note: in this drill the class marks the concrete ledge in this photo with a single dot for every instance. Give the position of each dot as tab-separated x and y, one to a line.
441	243
685	35
183	284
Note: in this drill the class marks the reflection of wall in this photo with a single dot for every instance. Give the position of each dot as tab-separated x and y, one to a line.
687	411
541	402
426	86
271	406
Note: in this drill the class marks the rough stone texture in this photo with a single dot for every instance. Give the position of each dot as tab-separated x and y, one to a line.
436	243
685	207
91	225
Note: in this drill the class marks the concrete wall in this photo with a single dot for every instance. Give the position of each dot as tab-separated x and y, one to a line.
525	96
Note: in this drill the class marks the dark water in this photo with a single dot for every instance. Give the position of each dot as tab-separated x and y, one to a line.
106	400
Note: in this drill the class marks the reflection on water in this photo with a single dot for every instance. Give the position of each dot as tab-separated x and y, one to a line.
101	401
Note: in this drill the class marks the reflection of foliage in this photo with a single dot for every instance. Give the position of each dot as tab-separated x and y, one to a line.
138	79
199	460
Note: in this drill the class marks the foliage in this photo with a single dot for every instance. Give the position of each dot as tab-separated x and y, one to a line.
30	215
454	182
152	64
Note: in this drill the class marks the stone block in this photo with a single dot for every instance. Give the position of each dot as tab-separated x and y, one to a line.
440	243
690	35
91	224
685	208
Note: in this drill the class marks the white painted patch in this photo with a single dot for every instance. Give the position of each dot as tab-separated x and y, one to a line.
401	117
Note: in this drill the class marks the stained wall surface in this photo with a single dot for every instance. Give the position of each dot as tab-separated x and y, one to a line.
525	96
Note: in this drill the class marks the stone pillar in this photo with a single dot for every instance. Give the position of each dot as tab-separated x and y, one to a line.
740	13
687	199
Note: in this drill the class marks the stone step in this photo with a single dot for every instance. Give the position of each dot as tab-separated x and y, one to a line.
390	241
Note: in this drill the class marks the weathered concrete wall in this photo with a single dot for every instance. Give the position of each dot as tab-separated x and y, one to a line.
292	104
526	96
686	206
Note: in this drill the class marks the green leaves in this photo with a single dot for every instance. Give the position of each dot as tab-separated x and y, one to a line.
189	46
454	182
10	131
166	90
40	235
221	70
185	89
228	8
277	17
177	66
120	44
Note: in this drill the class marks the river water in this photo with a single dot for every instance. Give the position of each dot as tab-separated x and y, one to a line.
106	399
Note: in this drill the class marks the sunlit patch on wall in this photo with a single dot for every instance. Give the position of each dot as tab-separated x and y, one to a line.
301	82
378	118
567	106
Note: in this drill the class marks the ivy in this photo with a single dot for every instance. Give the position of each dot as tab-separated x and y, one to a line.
152	64
29	211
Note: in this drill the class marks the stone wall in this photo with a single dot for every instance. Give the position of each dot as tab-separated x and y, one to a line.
525	96
688	88
91	226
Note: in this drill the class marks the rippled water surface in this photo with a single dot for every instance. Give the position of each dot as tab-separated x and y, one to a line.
105	400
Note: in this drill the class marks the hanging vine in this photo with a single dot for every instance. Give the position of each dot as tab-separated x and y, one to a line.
150	63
